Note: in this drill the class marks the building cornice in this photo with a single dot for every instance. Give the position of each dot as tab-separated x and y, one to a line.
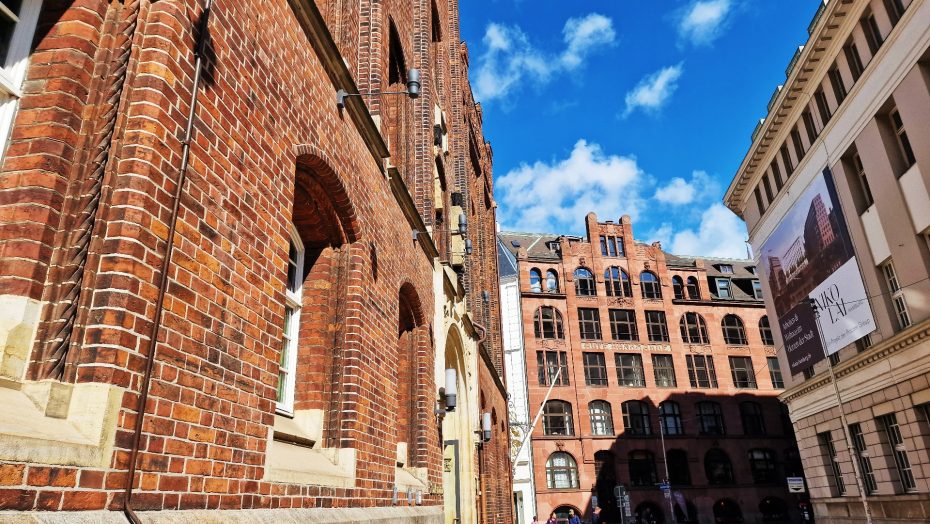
314	26
877	353
823	30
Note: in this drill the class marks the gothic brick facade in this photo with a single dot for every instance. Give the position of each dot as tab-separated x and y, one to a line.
361	203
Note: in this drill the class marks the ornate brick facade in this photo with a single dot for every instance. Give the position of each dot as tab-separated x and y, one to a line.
617	370
366	198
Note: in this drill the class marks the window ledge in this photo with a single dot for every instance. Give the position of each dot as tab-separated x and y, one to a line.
50	422
294	456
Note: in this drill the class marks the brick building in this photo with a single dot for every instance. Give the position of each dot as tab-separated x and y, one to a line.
846	142
640	345
191	225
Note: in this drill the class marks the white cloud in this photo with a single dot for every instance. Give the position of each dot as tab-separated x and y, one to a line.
703	21
719	234
653	91
556	196
679	191
510	59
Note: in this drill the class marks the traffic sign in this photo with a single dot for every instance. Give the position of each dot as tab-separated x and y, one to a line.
795	484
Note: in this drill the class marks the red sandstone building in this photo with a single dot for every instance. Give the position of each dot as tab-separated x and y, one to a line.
642	344
220	289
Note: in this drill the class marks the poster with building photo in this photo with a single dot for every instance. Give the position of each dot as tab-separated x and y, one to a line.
810	256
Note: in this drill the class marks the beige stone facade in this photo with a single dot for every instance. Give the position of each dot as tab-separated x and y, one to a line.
856	101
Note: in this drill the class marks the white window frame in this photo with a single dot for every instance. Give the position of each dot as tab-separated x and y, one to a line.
897	295
13	71
290	335
723	284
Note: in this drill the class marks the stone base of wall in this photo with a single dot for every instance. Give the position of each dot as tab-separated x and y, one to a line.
407	515
885	509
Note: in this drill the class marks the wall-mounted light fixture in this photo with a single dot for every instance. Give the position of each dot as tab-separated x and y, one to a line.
485	427
419	497
486	296
413	90
448	395
463	224
468	247
394	496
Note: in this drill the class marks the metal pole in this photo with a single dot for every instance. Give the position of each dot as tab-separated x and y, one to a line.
671	509
839	404
539	413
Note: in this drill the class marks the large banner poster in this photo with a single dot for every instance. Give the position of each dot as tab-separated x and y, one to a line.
810	256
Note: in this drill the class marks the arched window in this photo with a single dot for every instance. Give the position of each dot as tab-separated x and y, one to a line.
694	292
678	469
602	420
733	331
693	329
535	281
751	415
409	339
642	468
710	414
717	467
561	471
773	509
678	286
617	282
649	285
584	283
547	323
552	281
604	459
293	294
765	330
762	465
670	418
636	418
727	511
557	418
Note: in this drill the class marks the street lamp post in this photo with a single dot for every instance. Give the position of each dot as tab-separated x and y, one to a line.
668	482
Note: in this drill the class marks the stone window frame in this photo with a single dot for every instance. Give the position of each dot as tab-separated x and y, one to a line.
664	364
642	468
595	368
710	417
561	463
540	323
585	284
734	331
775	374
630	374
617	282
657	326
589	323
637	419
670	421
650	285
693	329
558	414
763	465
602	419
765	331
536	280
623	328
752	418
701	371
743	373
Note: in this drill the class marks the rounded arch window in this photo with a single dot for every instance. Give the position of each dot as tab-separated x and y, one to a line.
726	511
694	292
552	281
734	333
547	323
557	418
765	331
678	286
693	329
602	420
617	282
773	509
649	513
584	283
561	471
718	468
642	468
535	281
649	285
636	418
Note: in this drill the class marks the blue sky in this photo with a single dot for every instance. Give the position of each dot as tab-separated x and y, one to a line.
627	107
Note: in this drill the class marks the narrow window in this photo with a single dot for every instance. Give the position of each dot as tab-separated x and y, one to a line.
623	324
897	295
753	421
839	88
873	36
611	247
744	377
763	467
678	471
809	125
670	418
829	452
860	182
889	425
17	28
757	289
734	333
656	326
293	295
862	456
595	369
436	24
621	252
758	195
798	145
552	281
778	382
719	470
854	60
820	99
776	174
701	371
904	143
535	281
710	415
664	368
895	9
630	370
723	288
678	287
786	159
602	421
603	245
589	323
768	188
694	291
617	282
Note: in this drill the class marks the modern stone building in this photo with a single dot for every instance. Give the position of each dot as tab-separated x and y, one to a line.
846	144
659	366
227	292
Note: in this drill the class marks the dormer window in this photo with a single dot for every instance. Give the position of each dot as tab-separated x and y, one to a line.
751	269
725	268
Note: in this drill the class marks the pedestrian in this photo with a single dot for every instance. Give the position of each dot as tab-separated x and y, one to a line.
572	518
553	519
596	517
535	519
